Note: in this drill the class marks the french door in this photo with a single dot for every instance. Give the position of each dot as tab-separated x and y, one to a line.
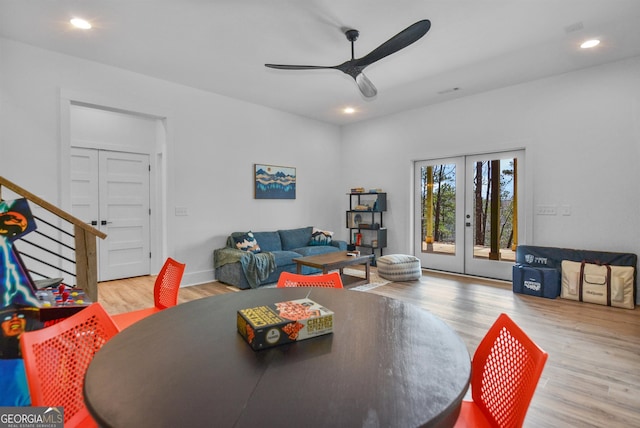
467	213
110	190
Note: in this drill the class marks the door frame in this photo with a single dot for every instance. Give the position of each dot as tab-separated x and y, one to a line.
525	216
158	156
485	267
101	196
446	262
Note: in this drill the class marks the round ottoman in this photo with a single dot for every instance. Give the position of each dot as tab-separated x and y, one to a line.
399	267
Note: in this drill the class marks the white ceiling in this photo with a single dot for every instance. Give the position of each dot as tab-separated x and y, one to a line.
222	45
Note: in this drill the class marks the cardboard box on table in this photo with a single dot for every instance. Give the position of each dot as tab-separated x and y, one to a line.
284	322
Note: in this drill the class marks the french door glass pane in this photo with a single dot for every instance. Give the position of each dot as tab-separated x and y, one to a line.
494	216
438	197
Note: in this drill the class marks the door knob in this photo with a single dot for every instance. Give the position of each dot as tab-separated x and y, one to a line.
93	222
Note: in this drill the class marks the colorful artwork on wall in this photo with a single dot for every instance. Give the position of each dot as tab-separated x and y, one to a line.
275	182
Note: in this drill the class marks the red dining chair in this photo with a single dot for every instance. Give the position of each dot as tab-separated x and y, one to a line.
329	280
505	371
165	294
57	357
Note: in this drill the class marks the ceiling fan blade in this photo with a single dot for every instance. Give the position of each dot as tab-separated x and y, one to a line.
354	67
365	85
298	67
401	40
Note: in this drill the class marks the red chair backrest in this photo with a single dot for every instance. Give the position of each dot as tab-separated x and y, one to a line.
505	371
329	280
57	357
167	285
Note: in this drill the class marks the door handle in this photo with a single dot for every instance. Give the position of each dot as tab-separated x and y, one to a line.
105	222
93	222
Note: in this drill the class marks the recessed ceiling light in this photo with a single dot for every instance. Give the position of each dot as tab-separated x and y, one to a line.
349	110
590	44
80	23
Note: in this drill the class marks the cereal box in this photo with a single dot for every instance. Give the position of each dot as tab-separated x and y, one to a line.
285	322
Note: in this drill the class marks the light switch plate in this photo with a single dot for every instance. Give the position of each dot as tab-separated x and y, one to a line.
547	210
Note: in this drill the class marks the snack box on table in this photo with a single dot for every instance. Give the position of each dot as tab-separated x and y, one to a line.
284	322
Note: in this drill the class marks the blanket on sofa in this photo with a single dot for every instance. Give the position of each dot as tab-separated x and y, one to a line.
256	266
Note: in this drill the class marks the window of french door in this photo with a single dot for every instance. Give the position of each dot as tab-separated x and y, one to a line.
495	219
438	207
439	202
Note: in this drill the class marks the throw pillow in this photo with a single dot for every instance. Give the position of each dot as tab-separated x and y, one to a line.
247	242
320	237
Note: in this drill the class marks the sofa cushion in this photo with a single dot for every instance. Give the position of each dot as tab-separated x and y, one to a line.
246	242
284	258
269	241
295	238
315	250
320	237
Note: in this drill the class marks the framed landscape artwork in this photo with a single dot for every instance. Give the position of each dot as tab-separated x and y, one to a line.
275	182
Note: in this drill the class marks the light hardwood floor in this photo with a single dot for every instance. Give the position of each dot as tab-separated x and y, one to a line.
592	376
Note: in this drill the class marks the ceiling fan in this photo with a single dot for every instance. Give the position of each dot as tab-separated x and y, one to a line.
355	66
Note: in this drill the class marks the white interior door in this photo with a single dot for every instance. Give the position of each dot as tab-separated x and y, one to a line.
110	190
85	185
455	199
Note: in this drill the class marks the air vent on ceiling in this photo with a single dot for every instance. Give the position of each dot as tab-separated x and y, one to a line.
448	91
574	27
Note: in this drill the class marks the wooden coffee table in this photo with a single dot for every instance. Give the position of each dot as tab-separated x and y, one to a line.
337	260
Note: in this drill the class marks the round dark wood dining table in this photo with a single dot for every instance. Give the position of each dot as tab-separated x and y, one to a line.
387	364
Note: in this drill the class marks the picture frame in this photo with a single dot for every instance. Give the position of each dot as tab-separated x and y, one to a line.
355	218
274	182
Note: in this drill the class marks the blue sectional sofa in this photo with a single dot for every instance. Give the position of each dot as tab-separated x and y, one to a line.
248	269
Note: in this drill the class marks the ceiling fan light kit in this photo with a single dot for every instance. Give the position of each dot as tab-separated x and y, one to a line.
355	66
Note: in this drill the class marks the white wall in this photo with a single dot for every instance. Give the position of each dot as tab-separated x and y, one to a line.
581	133
212	144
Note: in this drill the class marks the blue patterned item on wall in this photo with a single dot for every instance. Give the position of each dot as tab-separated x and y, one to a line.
275	182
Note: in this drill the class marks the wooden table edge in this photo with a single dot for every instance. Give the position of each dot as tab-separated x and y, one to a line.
326	267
